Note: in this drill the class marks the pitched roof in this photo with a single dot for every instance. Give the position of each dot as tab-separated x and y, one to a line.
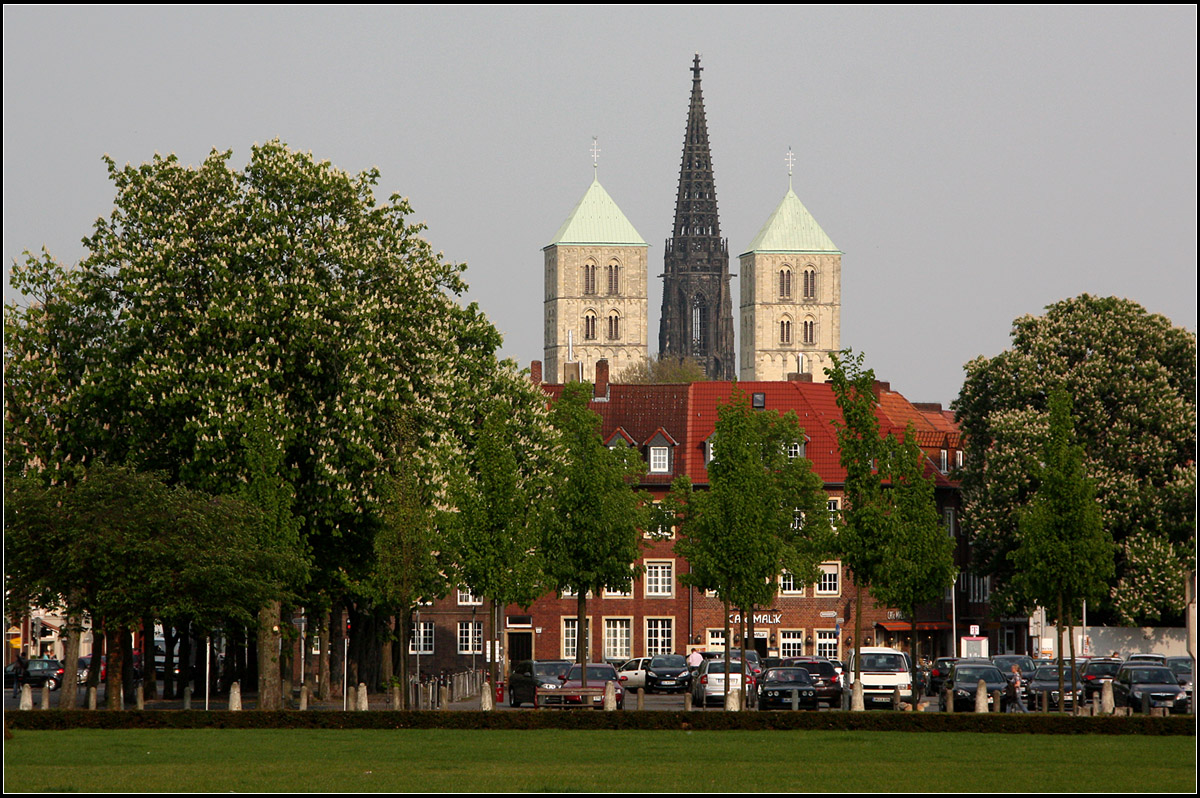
791	228
596	219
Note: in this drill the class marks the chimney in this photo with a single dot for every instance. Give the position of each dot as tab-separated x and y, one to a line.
601	388
879	388
794	376
535	372
572	372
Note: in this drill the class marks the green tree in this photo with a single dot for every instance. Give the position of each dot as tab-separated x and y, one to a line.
764	513
493	535
862	532
662	369
1065	556
1131	376
917	563
592	518
213	299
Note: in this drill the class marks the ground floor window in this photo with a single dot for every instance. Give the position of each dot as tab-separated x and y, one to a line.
791	642
470	637
422	638
827	643
716	639
618	638
660	638
570	638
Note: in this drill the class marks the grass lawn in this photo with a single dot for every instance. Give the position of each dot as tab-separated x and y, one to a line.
216	760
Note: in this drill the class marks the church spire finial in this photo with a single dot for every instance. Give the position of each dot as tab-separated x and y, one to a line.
595	159
790	160
696	68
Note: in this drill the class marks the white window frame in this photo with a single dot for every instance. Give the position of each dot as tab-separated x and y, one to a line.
788	585
420	640
829	569
791	642
660	459
468	599
653	586
618	637
944	461
827	643
470	637
715	639
660	636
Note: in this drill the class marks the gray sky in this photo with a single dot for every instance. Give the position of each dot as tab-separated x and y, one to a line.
973	164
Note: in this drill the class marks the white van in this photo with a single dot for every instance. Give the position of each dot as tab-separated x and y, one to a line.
883	670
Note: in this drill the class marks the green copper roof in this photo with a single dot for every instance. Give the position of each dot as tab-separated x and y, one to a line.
791	228
597	220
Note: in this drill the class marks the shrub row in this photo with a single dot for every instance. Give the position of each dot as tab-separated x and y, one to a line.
1032	723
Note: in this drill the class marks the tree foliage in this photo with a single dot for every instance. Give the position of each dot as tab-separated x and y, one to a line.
1131	378
591	518
662	369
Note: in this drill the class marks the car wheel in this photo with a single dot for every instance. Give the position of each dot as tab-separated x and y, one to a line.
53	683
512	699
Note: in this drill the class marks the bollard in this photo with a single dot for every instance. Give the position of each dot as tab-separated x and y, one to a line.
997	700
444	697
187	697
981	696
140	696
303	697
641	698
91	698
610	696
360	703
687	701
45	696
486	699
856	697
26	697
235	696
896	697
733	701
948	699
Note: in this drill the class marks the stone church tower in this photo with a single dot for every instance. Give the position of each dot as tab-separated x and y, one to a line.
697	307
791	285
595	304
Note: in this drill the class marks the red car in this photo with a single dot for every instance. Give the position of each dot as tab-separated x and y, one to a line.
598	674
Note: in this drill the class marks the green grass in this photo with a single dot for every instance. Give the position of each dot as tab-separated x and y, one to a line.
212	760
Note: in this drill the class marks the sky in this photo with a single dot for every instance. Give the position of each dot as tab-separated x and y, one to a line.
973	164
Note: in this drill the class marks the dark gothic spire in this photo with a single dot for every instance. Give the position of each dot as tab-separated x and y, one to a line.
697	311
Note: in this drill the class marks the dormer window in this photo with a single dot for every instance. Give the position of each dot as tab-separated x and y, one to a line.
795	449
660	459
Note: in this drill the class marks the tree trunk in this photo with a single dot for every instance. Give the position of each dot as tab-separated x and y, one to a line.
270	689
1058	626
747	625
728	646
583	648
405	644
337	650
149	656
323	668
114	671
491	638
1071	642
128	669
913	616
70	686
857	643
185	659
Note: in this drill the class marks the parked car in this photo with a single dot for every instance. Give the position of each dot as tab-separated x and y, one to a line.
786	688
598	674
824	676
1142	687
1095	673
1045	681
709	685
1148	659
1182	668
938	673
634	672
883	670
527	676
668	673
963	682
37	673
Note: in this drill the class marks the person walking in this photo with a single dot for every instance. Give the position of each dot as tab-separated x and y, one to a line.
1016	703
19	673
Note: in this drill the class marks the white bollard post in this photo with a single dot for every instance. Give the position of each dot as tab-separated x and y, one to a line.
235	697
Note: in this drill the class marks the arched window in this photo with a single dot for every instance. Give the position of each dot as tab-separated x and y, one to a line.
785	331
614	278
589	277
785	282
614	326
810	331
589	326
810	283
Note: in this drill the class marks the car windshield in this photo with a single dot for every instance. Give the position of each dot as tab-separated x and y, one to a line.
1050	673
884	663
794	675
597	673
718	666
1151	676
1025	663
1103	668
550	668
1180	667
990	675
669	661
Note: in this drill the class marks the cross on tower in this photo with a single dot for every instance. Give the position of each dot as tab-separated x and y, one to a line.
595	154
696	68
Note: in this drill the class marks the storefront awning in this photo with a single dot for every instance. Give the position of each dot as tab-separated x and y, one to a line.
906	626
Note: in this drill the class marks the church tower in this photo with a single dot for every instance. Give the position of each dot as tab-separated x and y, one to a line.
791	295
697	307
596	303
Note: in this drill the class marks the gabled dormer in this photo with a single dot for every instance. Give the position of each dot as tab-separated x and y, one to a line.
619	437
660	449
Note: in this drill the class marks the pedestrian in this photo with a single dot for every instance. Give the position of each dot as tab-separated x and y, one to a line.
22	667
694	659
1016	703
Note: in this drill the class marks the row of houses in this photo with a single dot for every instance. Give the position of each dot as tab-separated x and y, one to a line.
672	426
